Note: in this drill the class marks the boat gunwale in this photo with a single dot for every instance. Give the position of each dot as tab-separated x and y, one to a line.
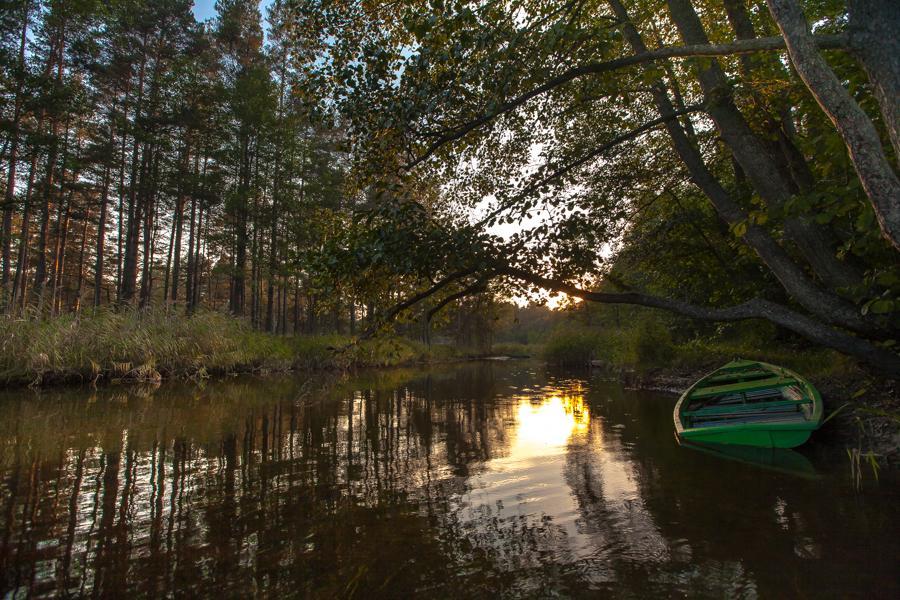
810	424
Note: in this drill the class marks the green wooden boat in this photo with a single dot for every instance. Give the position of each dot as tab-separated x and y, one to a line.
749	403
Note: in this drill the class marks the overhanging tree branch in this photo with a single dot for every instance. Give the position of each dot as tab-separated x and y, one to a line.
738	47
879	358
415	299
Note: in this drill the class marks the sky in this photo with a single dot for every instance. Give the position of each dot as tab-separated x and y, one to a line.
206	9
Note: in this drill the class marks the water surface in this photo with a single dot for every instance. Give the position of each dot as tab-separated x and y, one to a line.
498	479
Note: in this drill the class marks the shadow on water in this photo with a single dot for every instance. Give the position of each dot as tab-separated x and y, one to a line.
455	482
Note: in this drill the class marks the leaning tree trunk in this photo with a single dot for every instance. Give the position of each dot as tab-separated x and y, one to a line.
856	129
881	359
760	161
824	305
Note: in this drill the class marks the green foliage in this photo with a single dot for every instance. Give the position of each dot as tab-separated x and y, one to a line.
517	350
572	348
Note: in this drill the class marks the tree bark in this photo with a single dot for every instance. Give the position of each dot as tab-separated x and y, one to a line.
81	255
758	159
59	249
824	305
101	228
21	274
874	39
128	284
856	129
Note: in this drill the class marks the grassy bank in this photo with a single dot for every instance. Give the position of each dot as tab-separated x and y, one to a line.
648	347
152	345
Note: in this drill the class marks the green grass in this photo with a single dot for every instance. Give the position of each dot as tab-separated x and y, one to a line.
138	345
151	345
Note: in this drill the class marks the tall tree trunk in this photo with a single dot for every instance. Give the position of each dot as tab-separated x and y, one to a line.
81	253
856	129
101	226
197	266
59	249
41	271
19	293
150	208
176	266
168	271
121	211
297	306
189	279
128	285
273	255
10	196
59	46
238	275
284	298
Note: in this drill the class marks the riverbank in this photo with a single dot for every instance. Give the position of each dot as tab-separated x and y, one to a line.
141	346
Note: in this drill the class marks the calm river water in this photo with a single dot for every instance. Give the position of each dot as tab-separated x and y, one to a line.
497	480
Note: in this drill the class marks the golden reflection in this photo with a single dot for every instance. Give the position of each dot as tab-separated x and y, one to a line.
551	421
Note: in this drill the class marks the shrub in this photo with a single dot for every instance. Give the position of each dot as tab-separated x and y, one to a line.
651	344
571	348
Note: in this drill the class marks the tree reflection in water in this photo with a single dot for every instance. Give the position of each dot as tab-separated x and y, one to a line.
458	482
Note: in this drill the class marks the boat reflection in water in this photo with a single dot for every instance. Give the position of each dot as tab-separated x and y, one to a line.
781	460
472	481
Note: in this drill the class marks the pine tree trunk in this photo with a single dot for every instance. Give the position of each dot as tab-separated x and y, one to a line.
101	226
128	285
10	197
81	254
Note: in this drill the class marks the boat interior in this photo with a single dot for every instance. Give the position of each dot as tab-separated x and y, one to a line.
753	395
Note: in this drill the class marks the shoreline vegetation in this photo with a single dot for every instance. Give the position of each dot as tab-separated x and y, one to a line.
153	345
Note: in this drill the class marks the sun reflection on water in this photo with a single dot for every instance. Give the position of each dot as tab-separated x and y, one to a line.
549	422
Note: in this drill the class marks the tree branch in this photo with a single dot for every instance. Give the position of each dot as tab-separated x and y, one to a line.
758	308
594	68
590	155
415	299
475	288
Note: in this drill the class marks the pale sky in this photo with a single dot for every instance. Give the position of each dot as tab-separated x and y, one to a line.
206	9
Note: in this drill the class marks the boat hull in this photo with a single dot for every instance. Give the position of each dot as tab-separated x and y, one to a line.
771	436
762	434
